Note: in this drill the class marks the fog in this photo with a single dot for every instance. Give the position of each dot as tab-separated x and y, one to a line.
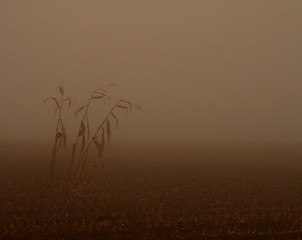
203	71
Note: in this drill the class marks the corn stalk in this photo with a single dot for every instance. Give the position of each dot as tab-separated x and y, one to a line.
60	132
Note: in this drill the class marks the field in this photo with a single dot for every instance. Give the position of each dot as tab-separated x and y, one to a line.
155	192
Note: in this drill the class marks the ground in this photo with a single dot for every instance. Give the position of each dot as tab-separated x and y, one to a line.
155	192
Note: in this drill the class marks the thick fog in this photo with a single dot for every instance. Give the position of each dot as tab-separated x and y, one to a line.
203	71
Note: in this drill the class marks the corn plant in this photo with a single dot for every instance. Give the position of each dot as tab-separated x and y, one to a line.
84	129
76	168
60	132
98	138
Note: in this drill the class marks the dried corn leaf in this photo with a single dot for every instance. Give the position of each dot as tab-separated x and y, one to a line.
83	143
64	135
128	102
98	97
121	106
123	100
80	109
61	90
99	147
58	136
116	119
108	130
103	94
97	144
100	89
82	129
54	99
88	128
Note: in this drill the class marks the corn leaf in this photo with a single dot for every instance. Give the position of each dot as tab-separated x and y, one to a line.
108	130
98	97
128	102
99	147
88	128
79	110
54	99
61	90
82	129
121	106
64	135
116	120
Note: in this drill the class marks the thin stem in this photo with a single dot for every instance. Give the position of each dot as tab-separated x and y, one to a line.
71	166
54	151
89	102
100	126
85	152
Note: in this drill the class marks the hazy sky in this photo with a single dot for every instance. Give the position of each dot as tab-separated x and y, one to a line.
204	71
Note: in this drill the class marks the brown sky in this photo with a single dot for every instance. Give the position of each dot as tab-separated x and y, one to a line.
204	71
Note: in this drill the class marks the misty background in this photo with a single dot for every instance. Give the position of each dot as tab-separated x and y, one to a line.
204	71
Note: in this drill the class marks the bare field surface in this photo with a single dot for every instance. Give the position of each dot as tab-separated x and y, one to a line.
155	192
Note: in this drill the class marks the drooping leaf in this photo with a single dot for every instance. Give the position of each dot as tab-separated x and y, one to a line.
100	89
121	106
128	102
97	144
64	135
123	100
103	137
98	97
108	130
116	119
82	129
99	147
61	90
54	99
107	86
88	128
58	136
83	143
79	110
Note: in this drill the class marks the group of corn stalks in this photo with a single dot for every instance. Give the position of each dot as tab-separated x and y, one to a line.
84	138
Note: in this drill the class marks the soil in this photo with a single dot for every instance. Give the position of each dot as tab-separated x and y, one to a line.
155	192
